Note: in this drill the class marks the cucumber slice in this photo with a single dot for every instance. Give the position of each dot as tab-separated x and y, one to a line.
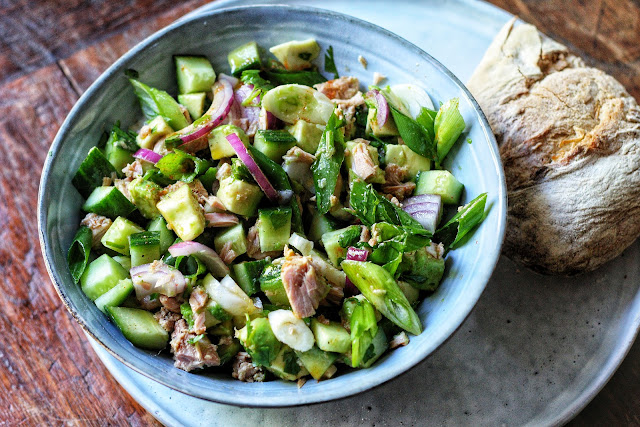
124	261
332	337
317	361
286	365
117	236
144	247
245	57
115	296
120	147
218	144
272	286
182	212
109	202
337	242
194	74
274	228
101	275
440	182
139	327
307	134
247	274
296	54
236	236
274	143
321	224
194	102
91	171
166	236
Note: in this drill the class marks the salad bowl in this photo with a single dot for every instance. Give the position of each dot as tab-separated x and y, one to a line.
474	160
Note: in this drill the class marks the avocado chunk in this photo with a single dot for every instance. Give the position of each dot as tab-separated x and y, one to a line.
332	337
296	54
422	270
152	132
218	143
440	182
194	74
234	235
389	128
182	212
145	195
307	135
139	327
294	102
337	242
117	236
239	196
258	339
194	102
404	156
274	228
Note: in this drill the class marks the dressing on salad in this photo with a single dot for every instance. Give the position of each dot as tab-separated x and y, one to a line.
271	222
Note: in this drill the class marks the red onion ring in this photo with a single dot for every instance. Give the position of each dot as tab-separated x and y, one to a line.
253	167
147	155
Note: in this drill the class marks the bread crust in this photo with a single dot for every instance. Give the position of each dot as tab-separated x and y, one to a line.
569	139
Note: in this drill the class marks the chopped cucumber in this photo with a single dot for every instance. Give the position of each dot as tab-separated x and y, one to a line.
120	147
332	337
144	247
156	129
402	155
101	275
91	171
245	57
337	242
117	236
108	201
321	224
296	54
194	102
440	182
274	228
145	195
115	296
227	352
139	327
166	236
286	365
274	143
272	286
307	134
247	274
294	102
236	236
124	261
182	212
317	361
239	196
218	143
194	74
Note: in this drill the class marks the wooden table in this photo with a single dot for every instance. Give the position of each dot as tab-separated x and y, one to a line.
50	52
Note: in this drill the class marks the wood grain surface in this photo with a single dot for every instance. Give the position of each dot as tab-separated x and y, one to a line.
50	52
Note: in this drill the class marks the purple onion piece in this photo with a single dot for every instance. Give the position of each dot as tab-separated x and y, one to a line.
354	254
222	102
147	155
423	198
418	207
253	167
383	108
204	253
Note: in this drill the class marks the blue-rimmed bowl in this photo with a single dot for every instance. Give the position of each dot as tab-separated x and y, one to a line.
214	34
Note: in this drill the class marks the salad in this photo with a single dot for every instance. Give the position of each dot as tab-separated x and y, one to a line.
271	222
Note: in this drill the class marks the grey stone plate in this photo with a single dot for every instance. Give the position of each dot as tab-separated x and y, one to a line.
534	351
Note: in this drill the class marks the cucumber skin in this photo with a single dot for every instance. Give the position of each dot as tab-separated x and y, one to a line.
247	274
109	202
115	296
139	327
245	57
109	271
274	228
440	182
91	171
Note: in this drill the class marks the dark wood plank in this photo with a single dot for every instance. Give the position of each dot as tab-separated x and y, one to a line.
52	376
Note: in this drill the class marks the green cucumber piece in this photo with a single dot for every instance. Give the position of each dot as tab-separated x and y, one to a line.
236	236
101	275
167	237
286	365
156	102
307	135
120	147
115	296
274	143
124	261
247	274
117	236
332	337
440	182
227	351
139	327
321	224
274	228
194	74
402	155
296	54
218	144
91	172
109	202
317	361
182	212
239	197
245	57
337	242
272	286
376	349
145	195
194	102
144	247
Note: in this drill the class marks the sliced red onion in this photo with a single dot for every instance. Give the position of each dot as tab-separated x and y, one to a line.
157	277
426	209
423	198
147	155
221	219
418	207
428	219
253	167
249	112
354	254
383	108
267	120
222	101
232	80
204	253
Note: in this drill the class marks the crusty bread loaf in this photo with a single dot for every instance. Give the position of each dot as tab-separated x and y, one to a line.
569	138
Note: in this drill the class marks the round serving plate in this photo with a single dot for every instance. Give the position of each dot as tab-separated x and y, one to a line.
534	351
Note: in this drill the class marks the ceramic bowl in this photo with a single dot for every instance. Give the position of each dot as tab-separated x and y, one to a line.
214	34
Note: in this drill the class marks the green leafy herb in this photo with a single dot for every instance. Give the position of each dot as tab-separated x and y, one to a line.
78	255
240	171
427	118
190	266
330	63
123	138
156	102
329	158
283	77
467	218
414	134
260	85
154	296
195	339
156	177
187	314
350	237
179	165
291	365
449	125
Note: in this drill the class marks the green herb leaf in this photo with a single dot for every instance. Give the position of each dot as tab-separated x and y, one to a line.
78	255
195	339
329	158
330	63
187	314
240	171
156	102
414	134
283	77
260	85
125	139
467	218
218	312
427	118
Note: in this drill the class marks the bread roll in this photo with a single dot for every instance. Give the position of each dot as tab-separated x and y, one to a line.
569	138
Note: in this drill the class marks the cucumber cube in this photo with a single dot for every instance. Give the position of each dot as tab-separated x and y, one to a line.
274	143
245	57
194	74
272	286
124	261
296	54
182	212
117	236
101	275
144	247
247	275
194	102
402	155
274	228
166	236
139	327
440	182
317	361
332	337
236	236
286	366
321	224
115	296
91	171
109	202
307	134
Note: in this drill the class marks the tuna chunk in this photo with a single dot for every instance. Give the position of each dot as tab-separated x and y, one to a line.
341	88
361	162
253	245
400	191
246	371
191	356
98	225
167	319
304	289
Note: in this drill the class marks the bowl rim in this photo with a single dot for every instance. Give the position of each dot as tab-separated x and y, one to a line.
387	375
